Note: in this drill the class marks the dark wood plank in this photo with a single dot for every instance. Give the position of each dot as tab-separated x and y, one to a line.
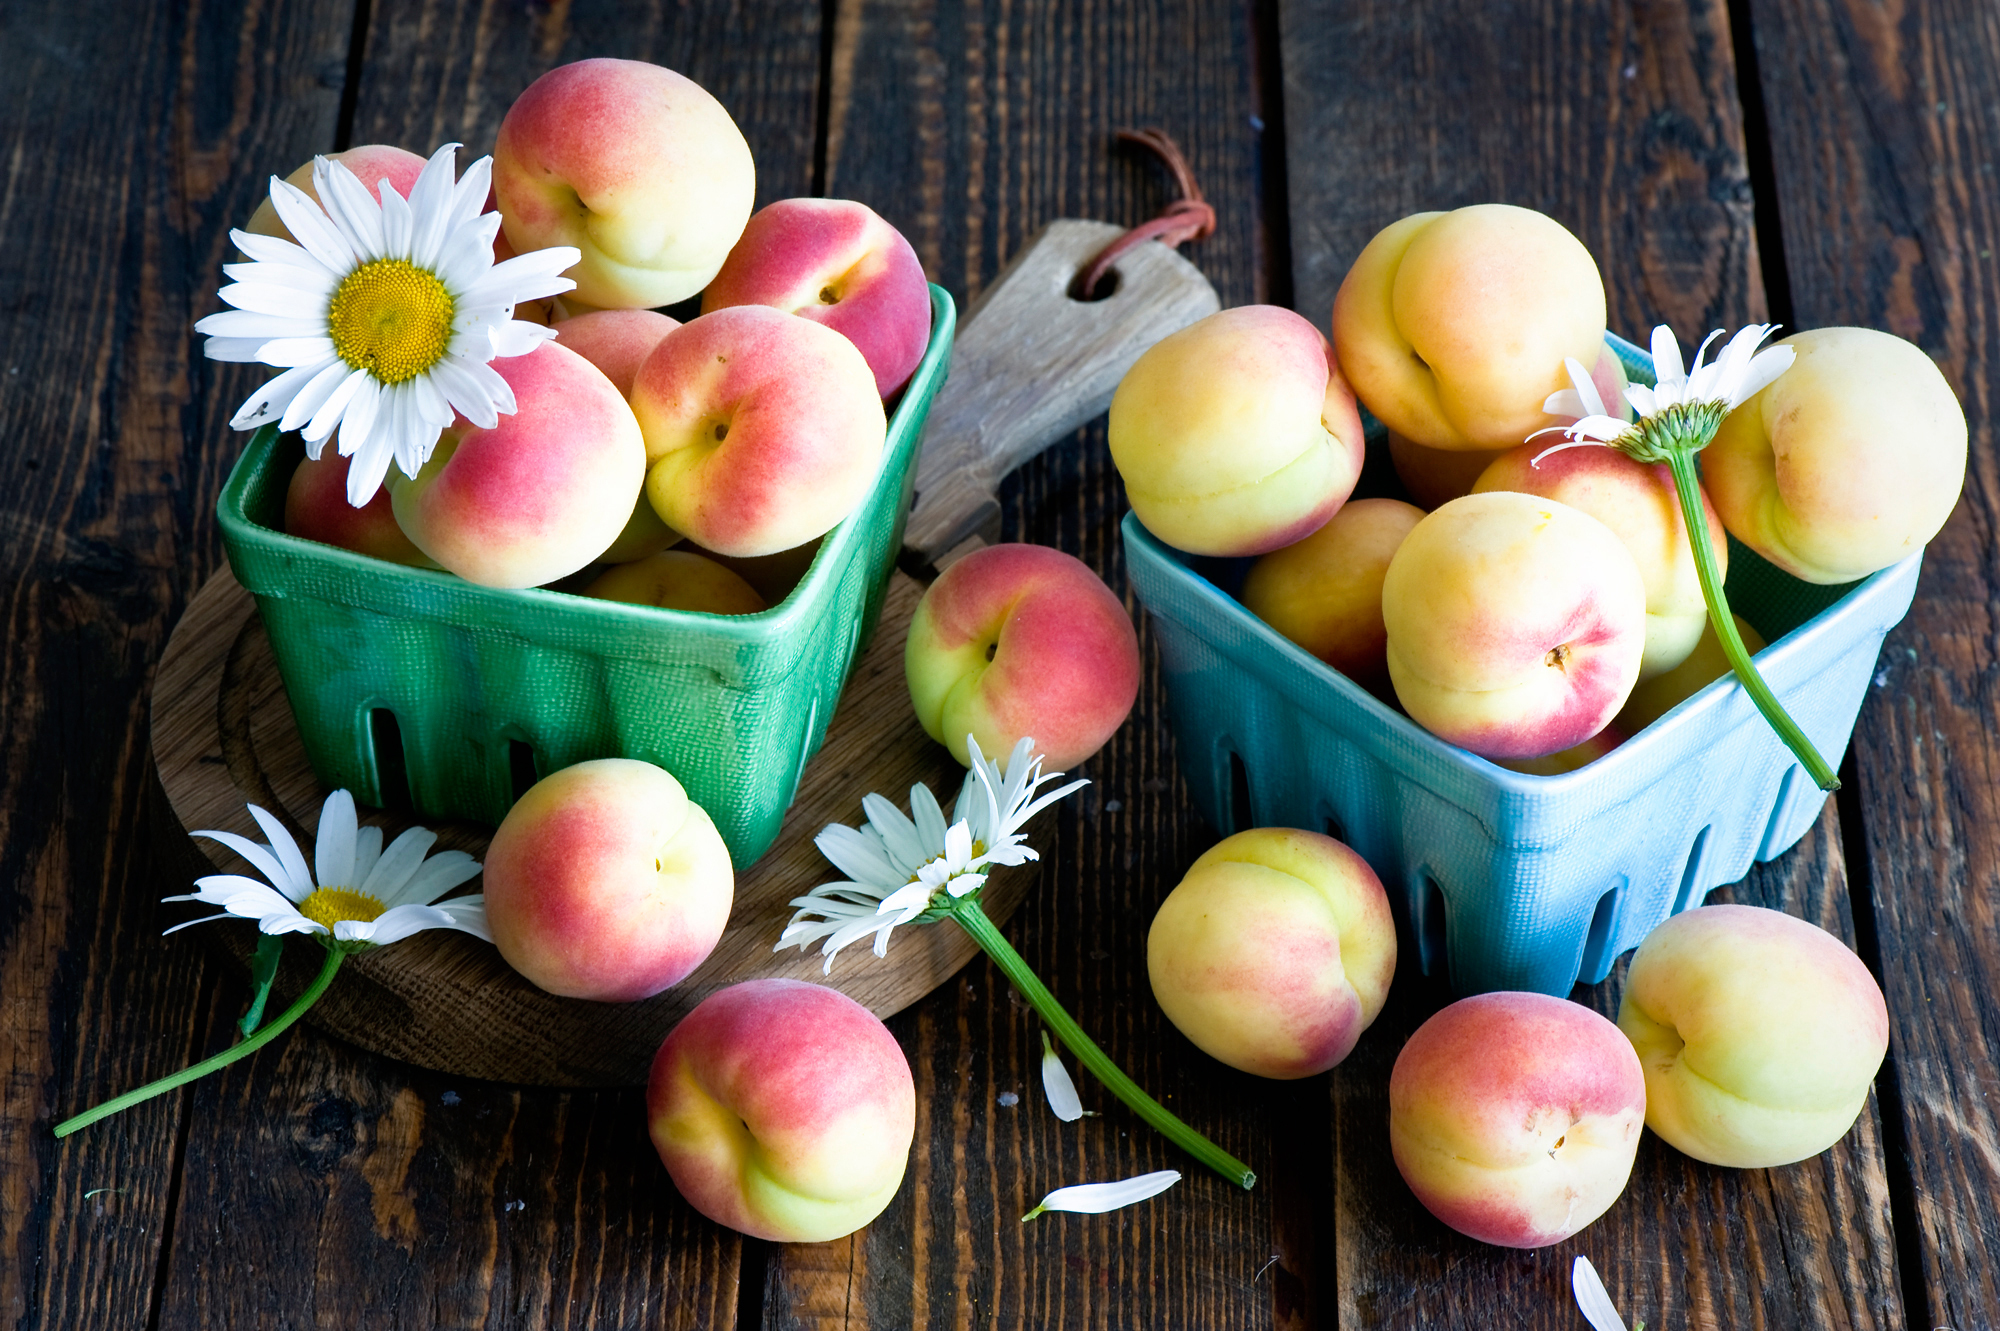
330	1185
1883	122
130	137
1623	123
438	72
347	1181
968	128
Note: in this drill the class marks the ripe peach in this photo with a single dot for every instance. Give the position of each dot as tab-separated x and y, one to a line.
1237	434
784	1110
762	430
606	881
1453	327
1275	952
837	263
636	166
1639	504
1019	640
1653	698
1514	1117
316	508
617	342
1515	624
524	502
678	580
1848	461
1325	592
1760	1034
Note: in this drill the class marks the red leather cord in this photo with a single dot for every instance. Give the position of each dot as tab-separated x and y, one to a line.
1189	217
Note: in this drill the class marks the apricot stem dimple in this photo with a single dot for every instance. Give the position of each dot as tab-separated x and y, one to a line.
1558	657
721	431
828	296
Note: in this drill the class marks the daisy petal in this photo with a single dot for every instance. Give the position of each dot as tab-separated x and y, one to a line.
1762	370
398	226
333	851
394	925
251	323
1592	1298
239	350
439	874
266	297
278	251
431	203
1097	1198
296	351
311	227
334	408
929	818
898	833
270	402
468	197
1666	359
468	915
297	870
1056	1084
463	391
314	395
259	857
350	207
367	850
392	873
517	337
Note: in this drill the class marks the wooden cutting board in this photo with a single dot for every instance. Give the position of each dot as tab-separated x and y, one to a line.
1030	365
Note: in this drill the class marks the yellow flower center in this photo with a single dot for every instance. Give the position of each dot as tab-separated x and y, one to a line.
330	905
390	318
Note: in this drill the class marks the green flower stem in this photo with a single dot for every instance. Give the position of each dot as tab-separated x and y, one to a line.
965	910
263	969
1687	486
247	1047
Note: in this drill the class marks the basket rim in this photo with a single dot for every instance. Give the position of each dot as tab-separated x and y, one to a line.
785	619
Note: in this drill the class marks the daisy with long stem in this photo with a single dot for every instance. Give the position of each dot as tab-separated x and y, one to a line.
363	896
383	315
919	868
1677	418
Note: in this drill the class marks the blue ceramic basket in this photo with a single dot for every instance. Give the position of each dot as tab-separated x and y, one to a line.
1509	881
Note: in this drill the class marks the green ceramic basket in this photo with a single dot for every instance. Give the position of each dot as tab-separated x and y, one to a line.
486	689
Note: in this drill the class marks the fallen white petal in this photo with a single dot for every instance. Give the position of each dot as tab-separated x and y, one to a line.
1592	1298
1056	1082
1097	1198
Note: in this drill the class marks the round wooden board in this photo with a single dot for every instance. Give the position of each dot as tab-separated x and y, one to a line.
223	737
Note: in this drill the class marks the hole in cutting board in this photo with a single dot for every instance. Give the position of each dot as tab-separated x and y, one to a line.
1107	287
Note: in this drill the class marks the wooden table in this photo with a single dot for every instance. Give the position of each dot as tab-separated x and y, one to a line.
1810	161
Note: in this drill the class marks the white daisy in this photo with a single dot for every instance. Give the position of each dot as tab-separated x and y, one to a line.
383	315
1682	409
897	864
363	895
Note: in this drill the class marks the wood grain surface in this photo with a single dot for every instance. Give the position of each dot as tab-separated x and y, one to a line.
131	138
1885	179
1823	160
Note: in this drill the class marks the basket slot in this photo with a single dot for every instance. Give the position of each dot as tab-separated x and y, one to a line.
521	766
392	768
1787	823
1242	816
1336	829
1598	953
1430	924
1695	875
